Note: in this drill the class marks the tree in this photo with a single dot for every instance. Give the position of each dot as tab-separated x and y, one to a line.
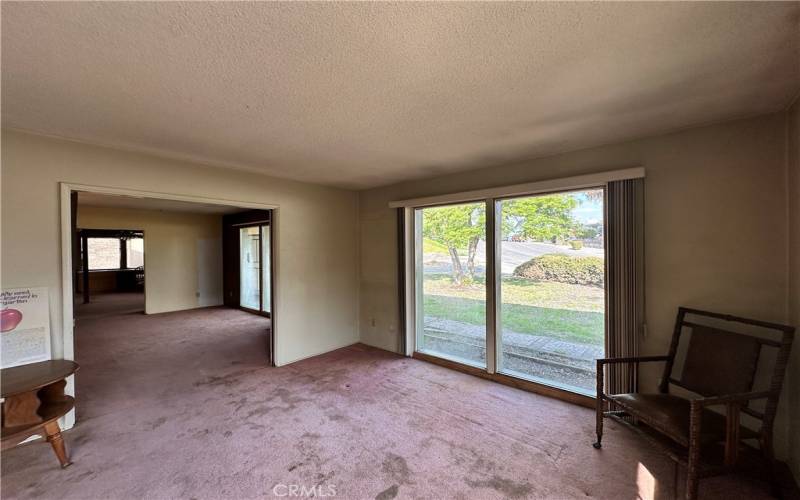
458	227
461	227
542	218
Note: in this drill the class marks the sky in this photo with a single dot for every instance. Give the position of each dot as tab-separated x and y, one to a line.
588	211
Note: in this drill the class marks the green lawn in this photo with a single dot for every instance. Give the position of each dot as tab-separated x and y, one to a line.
430	246
523	292
567	312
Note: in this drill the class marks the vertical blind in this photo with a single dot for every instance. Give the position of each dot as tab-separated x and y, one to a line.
625	319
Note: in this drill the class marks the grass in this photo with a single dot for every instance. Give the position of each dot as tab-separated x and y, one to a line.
430	246
523	292
567	312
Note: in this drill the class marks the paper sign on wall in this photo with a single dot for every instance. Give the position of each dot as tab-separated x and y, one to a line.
24	326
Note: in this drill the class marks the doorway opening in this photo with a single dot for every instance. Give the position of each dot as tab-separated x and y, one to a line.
110	274
121	244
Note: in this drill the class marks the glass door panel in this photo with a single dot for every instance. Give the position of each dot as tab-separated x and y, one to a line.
266	282
249	268
451	282
552	288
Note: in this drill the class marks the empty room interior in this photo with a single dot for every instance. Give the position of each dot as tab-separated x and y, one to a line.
478	250
137	259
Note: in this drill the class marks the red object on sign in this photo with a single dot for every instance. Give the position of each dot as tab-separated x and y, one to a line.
9	319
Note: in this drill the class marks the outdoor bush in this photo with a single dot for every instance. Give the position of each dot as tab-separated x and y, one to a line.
563	269
576	244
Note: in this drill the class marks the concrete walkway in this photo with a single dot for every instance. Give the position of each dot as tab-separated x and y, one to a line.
538	343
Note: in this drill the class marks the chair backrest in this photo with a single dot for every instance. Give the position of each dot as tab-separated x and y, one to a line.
720	362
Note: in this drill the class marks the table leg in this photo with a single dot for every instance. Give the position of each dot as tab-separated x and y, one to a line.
55	439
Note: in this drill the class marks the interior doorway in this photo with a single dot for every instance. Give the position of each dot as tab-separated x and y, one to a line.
112	237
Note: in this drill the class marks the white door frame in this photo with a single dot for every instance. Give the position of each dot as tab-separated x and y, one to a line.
68	321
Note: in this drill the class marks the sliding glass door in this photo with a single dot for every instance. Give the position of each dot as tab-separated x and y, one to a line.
249	268
551	298
266	279
254	268
530	303
451	282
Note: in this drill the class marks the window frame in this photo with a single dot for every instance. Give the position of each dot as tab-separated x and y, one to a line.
497	265
413	281
127	255
418	283
122	236
120	254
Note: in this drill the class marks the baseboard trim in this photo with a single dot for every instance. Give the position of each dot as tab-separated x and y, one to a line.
326	351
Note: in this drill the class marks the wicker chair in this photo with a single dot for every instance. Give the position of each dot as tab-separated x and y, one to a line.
720	366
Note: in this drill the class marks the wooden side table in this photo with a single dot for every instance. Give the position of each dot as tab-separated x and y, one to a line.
34	400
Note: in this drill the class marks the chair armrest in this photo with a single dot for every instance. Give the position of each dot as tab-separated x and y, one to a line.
731	398
632	359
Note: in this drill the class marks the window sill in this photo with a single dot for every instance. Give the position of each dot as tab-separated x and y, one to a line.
511	381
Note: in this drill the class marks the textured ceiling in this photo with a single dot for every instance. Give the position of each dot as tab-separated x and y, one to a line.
87	199
363	94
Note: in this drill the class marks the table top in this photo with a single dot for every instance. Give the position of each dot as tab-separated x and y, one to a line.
29	377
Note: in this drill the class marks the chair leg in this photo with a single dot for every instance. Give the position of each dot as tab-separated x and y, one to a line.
691	475
695	421
599	425
769	454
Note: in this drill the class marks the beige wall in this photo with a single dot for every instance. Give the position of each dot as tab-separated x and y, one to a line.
793	130
316	256
174	247
716	234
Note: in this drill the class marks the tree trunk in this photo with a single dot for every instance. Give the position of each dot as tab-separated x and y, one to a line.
458	271
472	249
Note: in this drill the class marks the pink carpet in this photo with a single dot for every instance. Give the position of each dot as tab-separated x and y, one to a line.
108	304
181	405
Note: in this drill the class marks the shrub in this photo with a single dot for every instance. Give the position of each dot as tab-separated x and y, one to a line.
576	244
563	269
